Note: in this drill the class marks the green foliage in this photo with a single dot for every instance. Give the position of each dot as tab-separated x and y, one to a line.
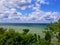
55	27
25	31
11	37
54	30
59	20
2	30
48	36
58	37
42	42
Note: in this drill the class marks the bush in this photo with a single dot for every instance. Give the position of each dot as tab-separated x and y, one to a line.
25	31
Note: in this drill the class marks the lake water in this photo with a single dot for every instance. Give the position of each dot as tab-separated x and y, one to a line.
34	28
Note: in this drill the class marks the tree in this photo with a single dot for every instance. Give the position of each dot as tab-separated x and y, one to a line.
38	37
48	36
25	31
54	28
59	20
2	30
11	38
58	37
41	42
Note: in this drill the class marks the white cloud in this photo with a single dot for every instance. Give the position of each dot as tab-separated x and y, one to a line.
8	7
40	16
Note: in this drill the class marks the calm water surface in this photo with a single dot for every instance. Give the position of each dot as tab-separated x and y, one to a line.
34	28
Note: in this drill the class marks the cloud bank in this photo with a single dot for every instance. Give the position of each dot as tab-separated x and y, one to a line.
9	12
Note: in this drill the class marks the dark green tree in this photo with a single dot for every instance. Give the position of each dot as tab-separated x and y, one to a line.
25	31
2	30
58	37
48	36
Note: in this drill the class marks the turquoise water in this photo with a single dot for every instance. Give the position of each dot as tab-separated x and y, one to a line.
34	28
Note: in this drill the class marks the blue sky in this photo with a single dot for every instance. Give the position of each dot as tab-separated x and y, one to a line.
29	11
53	6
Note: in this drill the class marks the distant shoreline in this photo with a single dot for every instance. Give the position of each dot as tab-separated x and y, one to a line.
24	24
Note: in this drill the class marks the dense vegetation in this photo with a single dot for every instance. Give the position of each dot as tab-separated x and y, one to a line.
11	37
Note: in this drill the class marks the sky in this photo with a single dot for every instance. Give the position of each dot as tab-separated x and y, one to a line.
29	11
